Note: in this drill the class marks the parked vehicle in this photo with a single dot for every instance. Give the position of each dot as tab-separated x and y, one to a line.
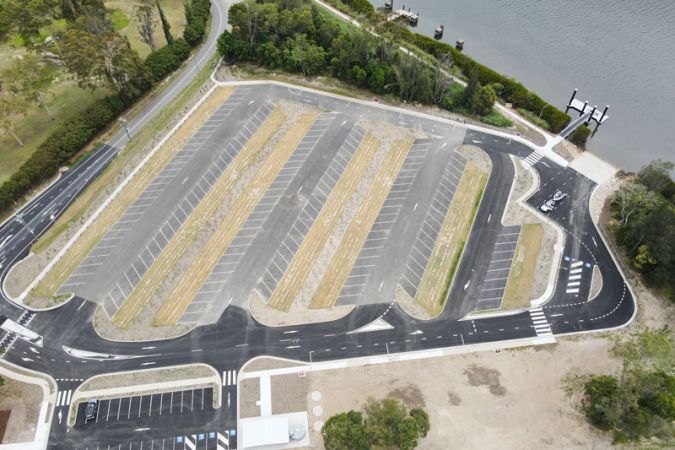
551	203
91	410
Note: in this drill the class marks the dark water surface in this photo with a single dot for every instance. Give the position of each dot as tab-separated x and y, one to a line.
616	52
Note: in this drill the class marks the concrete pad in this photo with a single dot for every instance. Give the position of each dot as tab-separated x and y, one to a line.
593	167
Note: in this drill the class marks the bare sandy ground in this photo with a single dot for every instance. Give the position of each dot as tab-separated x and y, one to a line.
24	400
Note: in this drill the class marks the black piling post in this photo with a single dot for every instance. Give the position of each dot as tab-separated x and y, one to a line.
569	104
581	113
603	114
591	116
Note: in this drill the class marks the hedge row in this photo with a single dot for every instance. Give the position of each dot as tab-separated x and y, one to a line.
361	6
512	92
165	60
197	14
74	134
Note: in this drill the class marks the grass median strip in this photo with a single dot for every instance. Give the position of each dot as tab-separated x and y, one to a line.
185	236
191	282
442	264
88	240
293	279
523	267
357	233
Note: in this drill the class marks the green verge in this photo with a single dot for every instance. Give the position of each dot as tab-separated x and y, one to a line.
76	211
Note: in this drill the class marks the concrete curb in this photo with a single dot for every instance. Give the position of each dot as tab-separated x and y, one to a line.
164	386
407	356
49	390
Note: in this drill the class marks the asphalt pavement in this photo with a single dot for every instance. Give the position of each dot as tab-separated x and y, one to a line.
235	337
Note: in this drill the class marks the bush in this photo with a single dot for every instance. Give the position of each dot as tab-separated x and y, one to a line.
497	119
195	29
361	6
580	136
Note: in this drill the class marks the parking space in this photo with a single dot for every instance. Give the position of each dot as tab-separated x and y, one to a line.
433	222
497	274
254	224
125	284
197	440
303	222
379	233
117	233
146	406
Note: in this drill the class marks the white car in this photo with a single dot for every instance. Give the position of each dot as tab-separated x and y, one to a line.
550	204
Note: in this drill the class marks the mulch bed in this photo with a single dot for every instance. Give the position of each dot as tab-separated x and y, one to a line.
4	420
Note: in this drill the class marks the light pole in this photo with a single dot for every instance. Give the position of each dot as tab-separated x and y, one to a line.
542	110
126	128
310	357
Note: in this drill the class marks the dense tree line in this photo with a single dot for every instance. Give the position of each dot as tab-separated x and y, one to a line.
511	91
293	35
640	402
96	56
643	224
384	424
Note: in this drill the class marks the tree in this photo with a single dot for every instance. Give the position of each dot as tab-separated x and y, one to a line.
26	18
382	419
106	59
641	401
166	27
345	431
31	78
656	177
630	198
303	56
146	22
12	107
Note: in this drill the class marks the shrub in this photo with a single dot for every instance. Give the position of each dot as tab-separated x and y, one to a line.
497	119
580	136
195	28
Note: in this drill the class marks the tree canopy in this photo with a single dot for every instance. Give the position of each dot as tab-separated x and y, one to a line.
644	224
641	401
385	423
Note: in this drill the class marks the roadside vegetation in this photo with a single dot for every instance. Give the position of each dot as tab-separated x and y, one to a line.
300	37
523	268
643	224
79	48
638	403
384	423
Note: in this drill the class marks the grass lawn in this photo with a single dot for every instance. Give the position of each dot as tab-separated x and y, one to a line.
66	102
523	267
124	10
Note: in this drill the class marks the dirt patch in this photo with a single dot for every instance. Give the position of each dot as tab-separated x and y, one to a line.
249	395
529	404
289	393
131	379
454	399
269	363
410	394
481	376
22	402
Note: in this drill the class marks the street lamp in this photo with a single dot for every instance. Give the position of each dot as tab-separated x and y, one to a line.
126	128
310	357
542	110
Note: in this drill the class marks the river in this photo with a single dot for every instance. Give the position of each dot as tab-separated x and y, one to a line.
616	52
